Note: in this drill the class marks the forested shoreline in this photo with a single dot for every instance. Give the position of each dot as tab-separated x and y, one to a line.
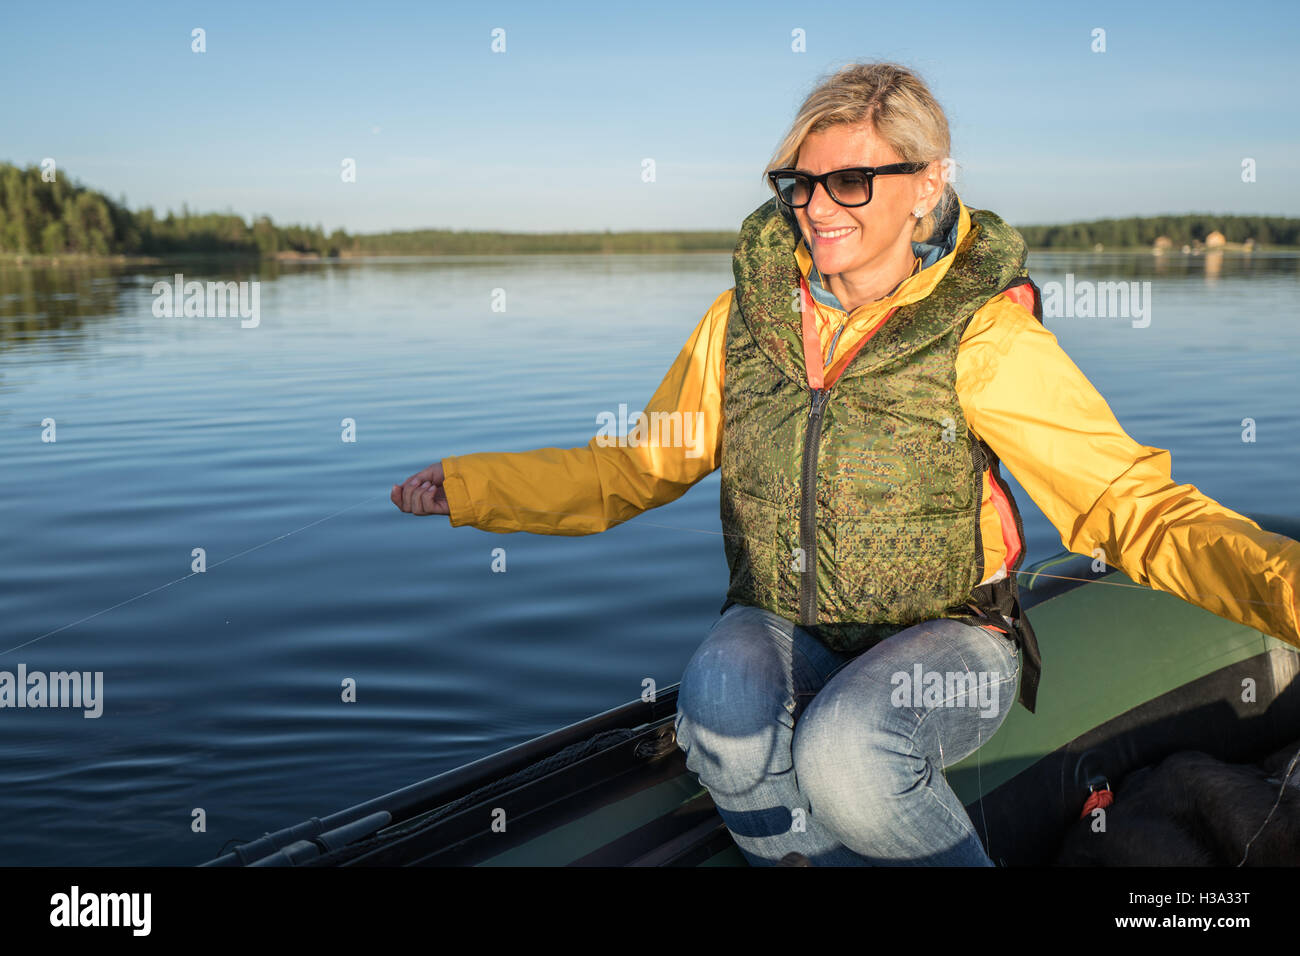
62	218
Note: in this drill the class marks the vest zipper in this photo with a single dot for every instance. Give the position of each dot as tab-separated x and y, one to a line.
808	508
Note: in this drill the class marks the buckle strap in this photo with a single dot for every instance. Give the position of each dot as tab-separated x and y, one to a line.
992	607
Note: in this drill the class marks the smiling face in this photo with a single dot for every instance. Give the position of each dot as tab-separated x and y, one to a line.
864	246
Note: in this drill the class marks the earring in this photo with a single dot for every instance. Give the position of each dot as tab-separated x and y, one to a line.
917	213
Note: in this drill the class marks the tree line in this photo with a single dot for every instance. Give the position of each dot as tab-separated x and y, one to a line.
40	215
44	216
1140	231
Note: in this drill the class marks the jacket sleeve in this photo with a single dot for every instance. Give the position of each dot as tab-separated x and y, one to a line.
573	491
1101	489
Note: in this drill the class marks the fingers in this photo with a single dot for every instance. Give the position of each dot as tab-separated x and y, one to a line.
422	493
425	498
433	474
429	499
410	492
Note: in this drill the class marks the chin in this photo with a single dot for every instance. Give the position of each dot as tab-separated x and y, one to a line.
835	261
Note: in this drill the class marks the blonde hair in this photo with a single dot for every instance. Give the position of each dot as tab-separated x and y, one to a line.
897	105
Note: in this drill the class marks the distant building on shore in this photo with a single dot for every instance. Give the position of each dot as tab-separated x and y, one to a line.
1162	245
1214	240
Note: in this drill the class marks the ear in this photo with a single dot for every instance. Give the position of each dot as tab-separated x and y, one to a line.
932	181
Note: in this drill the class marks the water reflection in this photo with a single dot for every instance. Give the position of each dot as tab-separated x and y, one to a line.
1134	265
39	299
36	299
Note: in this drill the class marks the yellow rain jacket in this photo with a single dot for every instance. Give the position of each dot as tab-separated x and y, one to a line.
1043	419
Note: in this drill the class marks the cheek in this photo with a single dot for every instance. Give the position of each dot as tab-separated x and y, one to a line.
869	234
881	230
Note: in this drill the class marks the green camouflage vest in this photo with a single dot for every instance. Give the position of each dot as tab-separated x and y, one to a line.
873	486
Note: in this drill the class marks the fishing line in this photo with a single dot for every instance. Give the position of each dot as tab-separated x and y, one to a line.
575	514
186	577
1280	792
1031	574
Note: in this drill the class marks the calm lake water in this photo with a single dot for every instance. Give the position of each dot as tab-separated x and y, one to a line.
222	689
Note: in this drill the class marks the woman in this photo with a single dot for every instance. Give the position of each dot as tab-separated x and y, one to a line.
882	350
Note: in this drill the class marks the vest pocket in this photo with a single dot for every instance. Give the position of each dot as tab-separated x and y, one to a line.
749	540
901	569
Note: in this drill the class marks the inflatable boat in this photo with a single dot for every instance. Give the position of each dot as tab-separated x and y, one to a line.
1130	676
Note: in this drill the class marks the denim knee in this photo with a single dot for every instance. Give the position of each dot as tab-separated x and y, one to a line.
733	708
857	745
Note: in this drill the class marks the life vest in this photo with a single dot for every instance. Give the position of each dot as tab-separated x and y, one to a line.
854	509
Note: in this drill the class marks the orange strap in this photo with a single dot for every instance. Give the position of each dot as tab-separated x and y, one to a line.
1010	539
1022	294
813	362
1098	798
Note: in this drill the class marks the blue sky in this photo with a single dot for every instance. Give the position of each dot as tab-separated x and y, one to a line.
551	134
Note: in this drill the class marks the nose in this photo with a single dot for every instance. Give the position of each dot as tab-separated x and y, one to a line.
820	204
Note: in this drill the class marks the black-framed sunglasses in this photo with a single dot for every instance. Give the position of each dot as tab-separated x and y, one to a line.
848	187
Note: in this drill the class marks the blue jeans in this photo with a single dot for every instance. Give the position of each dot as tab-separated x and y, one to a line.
841	757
